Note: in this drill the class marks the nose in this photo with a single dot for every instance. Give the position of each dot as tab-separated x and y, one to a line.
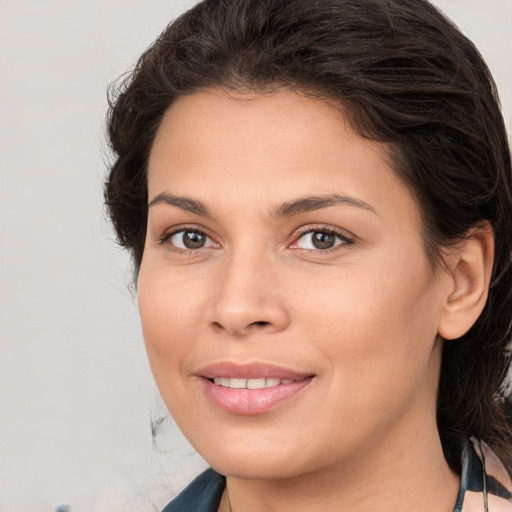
248	298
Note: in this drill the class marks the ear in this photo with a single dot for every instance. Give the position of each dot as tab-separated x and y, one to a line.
470	274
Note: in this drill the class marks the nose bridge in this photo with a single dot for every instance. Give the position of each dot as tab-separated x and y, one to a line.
248	297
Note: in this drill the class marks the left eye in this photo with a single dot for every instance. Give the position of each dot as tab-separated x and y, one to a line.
188	239
319	240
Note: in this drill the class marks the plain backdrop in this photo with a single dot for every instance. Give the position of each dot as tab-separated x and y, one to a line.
76	395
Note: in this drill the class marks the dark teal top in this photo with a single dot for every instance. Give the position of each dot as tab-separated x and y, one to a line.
202	495
484	485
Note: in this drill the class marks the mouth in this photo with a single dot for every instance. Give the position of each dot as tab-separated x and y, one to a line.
251	389
236	383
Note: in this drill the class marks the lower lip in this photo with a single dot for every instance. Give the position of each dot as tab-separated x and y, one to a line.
250	402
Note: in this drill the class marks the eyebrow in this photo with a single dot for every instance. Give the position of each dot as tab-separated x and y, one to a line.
312	203
287	209
185	203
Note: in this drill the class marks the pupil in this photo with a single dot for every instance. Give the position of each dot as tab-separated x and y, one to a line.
193	240
322	240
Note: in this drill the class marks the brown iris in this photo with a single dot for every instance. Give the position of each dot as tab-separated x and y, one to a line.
193	239
323	239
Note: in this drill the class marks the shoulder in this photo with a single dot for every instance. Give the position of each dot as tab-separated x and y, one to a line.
202	495
485	484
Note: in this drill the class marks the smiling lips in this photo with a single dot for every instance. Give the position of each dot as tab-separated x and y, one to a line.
250	389
250	383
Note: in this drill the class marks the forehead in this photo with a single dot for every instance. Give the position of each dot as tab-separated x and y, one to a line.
257	148
215	119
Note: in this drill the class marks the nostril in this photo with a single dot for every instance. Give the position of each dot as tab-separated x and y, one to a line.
239	330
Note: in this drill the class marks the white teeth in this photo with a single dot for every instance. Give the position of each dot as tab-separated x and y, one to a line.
255	383
250	383
238	383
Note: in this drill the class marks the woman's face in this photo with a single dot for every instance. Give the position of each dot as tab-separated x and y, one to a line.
289	310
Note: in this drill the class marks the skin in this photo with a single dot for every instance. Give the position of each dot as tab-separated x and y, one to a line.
363	317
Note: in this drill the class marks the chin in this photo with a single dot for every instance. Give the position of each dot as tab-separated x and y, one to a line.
261	459
268	458
261	469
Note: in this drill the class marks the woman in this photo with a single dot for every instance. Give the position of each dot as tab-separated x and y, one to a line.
317	199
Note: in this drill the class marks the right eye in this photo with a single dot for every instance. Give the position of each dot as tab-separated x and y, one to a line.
189	239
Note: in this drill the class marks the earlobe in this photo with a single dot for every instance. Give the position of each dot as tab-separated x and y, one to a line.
471	267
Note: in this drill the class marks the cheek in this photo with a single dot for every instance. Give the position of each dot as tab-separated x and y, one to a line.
170	312
375	326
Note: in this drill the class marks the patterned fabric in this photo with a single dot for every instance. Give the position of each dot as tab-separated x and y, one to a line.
485	486
202	495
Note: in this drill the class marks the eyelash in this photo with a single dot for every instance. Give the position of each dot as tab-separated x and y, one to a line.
182	229
344	240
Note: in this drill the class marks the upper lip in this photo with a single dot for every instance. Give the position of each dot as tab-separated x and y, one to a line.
229	369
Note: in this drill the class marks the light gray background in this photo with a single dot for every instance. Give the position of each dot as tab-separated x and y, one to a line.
76	395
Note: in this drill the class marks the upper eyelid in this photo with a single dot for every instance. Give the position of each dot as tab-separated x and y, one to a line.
328	229
184	227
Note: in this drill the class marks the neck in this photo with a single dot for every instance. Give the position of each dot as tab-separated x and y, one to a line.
400	477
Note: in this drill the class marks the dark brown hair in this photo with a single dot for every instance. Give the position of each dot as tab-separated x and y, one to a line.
405	76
